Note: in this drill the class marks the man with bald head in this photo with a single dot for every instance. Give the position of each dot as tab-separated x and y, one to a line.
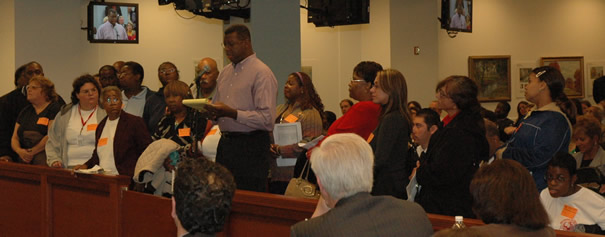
205	81
118	65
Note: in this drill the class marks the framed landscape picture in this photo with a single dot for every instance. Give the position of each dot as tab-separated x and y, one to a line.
492	75
572	69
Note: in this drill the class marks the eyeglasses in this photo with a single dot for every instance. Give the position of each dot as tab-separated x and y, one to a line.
32	87
357	80
557	179
166	71
442	94
112	100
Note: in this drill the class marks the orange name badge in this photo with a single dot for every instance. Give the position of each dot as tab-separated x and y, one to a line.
184	132
370	137
212	132
91	127
291	118
569	211
42	121
103	141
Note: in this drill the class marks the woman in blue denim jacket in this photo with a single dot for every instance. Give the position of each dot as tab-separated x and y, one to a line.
547	129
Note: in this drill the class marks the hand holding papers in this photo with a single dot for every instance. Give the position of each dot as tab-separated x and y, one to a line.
286	134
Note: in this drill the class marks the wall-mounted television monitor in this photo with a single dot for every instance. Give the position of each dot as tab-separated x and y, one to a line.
110	22
338	12
457	15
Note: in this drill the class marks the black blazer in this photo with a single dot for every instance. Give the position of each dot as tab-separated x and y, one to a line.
452	158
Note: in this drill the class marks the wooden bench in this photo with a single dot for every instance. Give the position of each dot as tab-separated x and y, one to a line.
42	201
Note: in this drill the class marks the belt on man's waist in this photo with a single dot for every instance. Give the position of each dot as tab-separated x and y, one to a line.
242	134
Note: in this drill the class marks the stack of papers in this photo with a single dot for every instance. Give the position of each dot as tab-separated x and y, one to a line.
198	104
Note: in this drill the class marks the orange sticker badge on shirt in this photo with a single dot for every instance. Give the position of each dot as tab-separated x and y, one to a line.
103	141
184	132
212	132
91	127
291	118
569	211
370	137
43	121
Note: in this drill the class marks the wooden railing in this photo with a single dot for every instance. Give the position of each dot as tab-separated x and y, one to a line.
41	201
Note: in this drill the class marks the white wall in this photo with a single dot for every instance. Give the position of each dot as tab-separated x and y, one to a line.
7	46
334	52
413	23
49	32
526	30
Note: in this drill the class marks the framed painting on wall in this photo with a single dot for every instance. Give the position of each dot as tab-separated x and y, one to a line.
572	69
492	75
523	71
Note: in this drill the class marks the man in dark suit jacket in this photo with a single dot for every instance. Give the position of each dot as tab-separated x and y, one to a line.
343	166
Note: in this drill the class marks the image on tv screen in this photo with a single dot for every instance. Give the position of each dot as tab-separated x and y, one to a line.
113	22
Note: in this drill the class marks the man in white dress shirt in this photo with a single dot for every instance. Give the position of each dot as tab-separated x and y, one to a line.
110	30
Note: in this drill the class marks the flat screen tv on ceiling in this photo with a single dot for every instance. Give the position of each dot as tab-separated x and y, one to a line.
457	15
110	22
338	12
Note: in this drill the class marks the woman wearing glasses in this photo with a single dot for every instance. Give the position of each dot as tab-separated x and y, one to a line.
31	128
570	206
71	139
455	151
120	137
361	118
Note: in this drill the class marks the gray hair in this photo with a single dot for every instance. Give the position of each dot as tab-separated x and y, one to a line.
107	90
344	165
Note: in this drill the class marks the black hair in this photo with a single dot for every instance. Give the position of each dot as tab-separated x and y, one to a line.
203	192
367	70
506	106
430	117
415	103
19	73
136	68
330	118
113	69
462	90
565	161
598	89
79	82
578	104
556	83
243	33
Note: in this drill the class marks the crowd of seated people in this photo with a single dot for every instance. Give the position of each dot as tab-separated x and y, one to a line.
112	121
